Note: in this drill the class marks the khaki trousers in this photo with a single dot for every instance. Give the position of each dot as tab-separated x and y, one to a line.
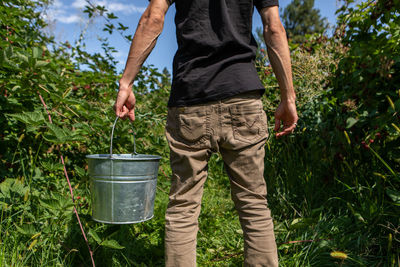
236	128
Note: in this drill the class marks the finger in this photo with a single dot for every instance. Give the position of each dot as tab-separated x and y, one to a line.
131	114
116	110
119	103
277	124
124	113
286	131
131	101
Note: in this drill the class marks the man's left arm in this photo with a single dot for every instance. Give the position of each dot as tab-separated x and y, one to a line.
149	28
279	56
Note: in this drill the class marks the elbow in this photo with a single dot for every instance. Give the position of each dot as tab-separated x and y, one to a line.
274	29
152	20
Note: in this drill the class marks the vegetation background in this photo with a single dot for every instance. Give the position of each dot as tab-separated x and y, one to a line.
334	185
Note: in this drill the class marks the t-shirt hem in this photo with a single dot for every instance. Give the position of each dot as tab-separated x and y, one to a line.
170	2
211	98
266	3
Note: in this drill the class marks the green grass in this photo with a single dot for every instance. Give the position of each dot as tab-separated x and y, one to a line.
312	218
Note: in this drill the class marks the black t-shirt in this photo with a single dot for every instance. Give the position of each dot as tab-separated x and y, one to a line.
216	50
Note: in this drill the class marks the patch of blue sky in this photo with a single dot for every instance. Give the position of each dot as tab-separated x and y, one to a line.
67	21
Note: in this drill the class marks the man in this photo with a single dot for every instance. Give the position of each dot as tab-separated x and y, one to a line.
215	106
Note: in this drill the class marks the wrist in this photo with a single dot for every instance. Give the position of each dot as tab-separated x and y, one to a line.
288	99
124	84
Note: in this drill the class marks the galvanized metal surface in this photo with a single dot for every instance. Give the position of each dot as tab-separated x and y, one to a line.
123	186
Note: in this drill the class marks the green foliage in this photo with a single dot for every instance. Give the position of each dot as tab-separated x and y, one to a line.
344	161
371	43
301	18
333	185
38	227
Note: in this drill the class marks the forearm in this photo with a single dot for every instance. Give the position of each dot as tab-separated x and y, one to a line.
279	56
149	28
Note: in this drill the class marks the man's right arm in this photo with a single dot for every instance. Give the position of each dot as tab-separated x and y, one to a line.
149	28
279	56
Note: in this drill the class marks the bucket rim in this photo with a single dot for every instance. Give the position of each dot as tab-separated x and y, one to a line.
128	157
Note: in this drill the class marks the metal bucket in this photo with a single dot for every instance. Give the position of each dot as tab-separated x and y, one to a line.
123	186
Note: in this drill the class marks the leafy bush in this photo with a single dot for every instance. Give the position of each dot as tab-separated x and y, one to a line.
38	227
337	179
333	185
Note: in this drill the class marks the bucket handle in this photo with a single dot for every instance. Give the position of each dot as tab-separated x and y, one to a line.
112	136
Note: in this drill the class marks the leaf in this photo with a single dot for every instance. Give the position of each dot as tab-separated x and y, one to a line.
299	223
19	188
41	63
23	57
122	27
112	244
57	202
35	52
394	195
57	131
396	127
5	186
359	217
26	229
38	173
350	122
390	102
347	137
51	166
9	51
6	62
80	171
33	118
65	202
32	244
59	135
32	128
69	101
94	235
339	255
3	206
51	76
36	235
51	204
15	88
111	16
